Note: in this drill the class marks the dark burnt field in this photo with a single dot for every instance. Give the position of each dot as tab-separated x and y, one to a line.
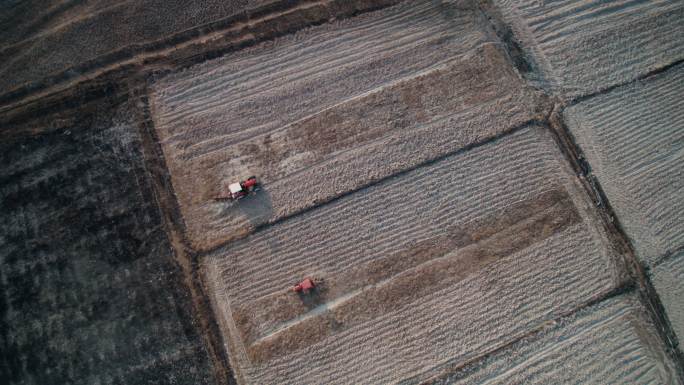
91	291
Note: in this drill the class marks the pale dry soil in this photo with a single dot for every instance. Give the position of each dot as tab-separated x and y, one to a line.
667	277
405	166
331	109
504	242
579	47
612	342
633	138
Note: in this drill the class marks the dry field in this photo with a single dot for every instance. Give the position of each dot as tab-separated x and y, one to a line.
331	109
581	47
438	264
88	34
633	137
485	191
612	342
667	277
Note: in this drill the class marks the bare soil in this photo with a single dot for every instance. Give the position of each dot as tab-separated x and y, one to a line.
387	284
613	341
472	252
391	101
582	48
485	191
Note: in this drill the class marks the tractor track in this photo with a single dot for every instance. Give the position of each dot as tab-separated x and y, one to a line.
625	288
554	122
320	203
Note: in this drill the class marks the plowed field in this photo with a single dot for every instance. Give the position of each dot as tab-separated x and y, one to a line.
634	139
581	47
332	109
613	342
436	264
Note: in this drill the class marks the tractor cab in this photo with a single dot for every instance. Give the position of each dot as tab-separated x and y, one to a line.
305	286
236	191
239	190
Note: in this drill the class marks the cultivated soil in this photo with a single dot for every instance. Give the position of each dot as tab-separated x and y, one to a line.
510	248
484	191
388	104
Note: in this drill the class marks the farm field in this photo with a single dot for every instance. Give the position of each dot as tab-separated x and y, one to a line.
633	137
499	253
77	32
90	290
579	47
667	277
402	87
612	342
483	192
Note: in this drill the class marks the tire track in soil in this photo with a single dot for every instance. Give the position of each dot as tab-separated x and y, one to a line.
592	188
583	47
290	367
614	228
605	341
532	68
394	126
397	279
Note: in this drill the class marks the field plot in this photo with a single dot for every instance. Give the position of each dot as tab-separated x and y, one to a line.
667	277
612	342
442	263
328	110
633	138
50	36
90	292
582	47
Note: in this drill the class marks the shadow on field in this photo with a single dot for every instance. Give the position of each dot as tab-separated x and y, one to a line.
256	208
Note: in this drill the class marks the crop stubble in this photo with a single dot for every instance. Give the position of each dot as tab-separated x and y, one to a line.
468	267
612	342
582	47
633	137
401	86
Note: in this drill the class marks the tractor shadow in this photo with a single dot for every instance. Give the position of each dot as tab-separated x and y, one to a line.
256	208
315	298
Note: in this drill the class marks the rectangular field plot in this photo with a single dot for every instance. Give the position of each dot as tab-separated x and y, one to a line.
441	263
668	279
585	46
612	342
331	109
633	138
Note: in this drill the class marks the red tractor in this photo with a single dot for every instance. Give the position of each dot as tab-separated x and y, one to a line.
239	190
305	286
